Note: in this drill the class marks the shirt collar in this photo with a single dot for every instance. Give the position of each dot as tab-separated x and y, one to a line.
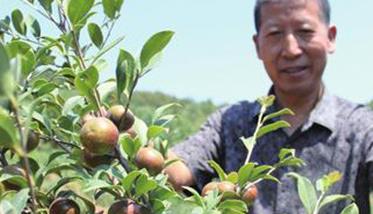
324	113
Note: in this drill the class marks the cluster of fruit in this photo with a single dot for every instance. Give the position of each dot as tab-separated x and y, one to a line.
99	137
230	190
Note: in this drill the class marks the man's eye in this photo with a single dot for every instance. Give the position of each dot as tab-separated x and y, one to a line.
274	33
306	31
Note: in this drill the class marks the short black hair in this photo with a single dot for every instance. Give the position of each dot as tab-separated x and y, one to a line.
324	5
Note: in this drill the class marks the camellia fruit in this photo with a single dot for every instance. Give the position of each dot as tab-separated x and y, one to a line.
224	187
93	160
249	194
150	159
13	170
209	187
32	140
64	206
127	206
99	136
122	120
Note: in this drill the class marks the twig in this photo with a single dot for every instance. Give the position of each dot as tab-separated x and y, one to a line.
59	142
121	159
24	156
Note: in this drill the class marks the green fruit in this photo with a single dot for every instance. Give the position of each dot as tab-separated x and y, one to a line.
64	206
127	206
99	136
249	195
150	159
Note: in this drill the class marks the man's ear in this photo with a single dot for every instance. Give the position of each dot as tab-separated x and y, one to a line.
257	47
332	35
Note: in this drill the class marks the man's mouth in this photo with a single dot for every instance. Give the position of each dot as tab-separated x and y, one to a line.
294	70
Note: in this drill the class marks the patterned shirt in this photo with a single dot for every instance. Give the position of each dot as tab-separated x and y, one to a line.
338	135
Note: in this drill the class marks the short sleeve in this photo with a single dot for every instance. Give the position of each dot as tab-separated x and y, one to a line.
201	147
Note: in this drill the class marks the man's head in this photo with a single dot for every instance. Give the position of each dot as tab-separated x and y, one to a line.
323	4
293	40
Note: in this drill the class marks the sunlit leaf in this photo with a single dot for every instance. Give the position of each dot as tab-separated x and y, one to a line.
95	34
154	46
306	192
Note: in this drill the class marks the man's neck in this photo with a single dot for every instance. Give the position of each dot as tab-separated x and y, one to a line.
300	104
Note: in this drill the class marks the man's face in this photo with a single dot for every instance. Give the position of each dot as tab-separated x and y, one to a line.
293	42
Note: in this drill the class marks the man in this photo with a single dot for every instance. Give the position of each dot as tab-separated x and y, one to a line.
293	40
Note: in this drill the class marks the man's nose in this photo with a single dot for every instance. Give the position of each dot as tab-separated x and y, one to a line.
291	47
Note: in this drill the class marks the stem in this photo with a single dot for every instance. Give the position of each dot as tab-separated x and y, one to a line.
258	125
3	160
47	16
59	142
121	159
316	210
24	154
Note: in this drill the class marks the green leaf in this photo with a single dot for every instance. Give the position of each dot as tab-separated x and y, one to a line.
244	173
144	185
154	46
218	170
78	9
95	34
282	112
95	184
306	192
284	153
272	127
8	131
46	4
7	207
129	146
20	200
26	54
323	184
155	131
125	71
196	195
249	143
159	112
334	198
71	103
266	101
260	172
34	26
236	205
6	78
350	209
129	180
86	82
63	181
111	7
107	48
18	22
232	177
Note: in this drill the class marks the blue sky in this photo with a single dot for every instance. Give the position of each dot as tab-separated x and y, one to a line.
212	55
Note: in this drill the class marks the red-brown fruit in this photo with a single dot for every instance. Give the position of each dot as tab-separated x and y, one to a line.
150	159
121	120
209	187
249	195
86	118
99	136
222	187
32	141
127	207
64	206
93	160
